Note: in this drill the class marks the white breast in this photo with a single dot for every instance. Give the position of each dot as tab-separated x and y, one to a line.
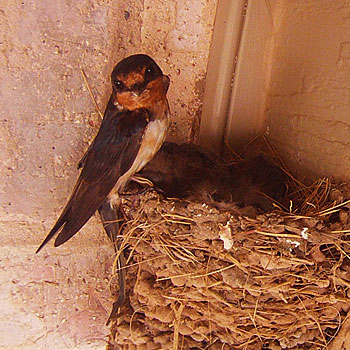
152	140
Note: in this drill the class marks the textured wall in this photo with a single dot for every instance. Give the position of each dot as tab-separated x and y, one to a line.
309	101
54	300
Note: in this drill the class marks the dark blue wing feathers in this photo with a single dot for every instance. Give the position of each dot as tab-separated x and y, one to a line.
110	155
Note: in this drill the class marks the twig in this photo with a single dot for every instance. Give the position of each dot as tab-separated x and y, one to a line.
90	92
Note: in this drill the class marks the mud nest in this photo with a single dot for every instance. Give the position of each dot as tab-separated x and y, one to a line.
214	276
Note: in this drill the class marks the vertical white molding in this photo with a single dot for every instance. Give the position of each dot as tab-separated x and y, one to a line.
221	65
246	114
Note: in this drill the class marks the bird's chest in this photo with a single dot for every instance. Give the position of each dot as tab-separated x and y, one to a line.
153	138
151	142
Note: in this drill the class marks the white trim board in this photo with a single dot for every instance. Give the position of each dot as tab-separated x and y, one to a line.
238	72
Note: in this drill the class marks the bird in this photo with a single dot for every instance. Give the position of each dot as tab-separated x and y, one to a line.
193	173
133	128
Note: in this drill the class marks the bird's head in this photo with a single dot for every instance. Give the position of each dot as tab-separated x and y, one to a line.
138	82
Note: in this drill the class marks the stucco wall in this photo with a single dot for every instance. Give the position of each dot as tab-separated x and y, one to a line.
58	299
308	106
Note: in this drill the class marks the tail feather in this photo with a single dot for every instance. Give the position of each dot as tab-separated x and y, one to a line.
69	230
111	218
60	222
83	203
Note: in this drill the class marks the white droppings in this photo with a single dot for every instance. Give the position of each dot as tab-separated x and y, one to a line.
226	236
295	243
304	233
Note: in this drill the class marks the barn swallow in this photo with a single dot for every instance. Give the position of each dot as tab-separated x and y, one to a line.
133	129
191	172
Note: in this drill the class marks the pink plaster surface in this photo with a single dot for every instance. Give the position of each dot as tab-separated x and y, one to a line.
59	299
308	106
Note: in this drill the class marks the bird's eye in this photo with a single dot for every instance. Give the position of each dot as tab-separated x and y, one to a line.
150	72
118	84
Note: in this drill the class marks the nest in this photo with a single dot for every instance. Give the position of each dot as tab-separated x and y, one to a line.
213	276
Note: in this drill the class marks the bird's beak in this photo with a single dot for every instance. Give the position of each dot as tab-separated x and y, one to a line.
136	93
137	90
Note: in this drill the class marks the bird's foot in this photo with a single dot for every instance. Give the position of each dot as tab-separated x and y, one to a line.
142	180
115	313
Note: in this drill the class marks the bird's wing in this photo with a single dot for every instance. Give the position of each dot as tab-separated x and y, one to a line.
110	111
111	154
